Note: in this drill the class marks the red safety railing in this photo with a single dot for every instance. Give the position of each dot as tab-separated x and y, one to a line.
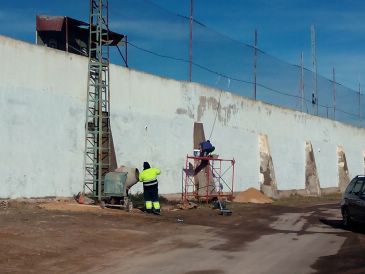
206	178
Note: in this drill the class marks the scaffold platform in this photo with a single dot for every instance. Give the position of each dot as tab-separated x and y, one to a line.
207	178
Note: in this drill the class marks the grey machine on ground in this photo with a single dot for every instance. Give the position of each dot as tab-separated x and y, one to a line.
117	185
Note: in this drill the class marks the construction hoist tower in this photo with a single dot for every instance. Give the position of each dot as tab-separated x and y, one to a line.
97	138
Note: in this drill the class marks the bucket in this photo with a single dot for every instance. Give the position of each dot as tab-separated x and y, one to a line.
196	152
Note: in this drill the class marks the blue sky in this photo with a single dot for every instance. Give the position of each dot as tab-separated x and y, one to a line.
283	26
284	30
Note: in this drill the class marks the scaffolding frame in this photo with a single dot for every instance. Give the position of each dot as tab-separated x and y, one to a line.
215	179
97	127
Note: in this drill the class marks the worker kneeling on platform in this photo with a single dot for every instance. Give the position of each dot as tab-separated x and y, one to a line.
206	148
150	188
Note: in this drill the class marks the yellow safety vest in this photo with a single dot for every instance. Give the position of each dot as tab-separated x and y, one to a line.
149	176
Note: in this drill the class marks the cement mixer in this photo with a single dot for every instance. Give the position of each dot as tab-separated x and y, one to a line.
117	185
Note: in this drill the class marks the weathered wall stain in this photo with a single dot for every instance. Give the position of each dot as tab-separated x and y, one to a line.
187	98
183	111
312	185
224	112
267	172
201	107
343	171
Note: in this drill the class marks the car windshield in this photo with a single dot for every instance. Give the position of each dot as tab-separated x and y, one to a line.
357	187
362	193
350	186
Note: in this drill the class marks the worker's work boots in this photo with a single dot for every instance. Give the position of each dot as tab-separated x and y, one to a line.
156	211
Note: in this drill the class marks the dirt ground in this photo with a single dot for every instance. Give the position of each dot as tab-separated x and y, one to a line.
291	236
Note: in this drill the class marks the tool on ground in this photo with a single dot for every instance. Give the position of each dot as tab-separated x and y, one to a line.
223	210
222	206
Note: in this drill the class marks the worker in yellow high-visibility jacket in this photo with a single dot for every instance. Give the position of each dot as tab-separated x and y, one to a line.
150	188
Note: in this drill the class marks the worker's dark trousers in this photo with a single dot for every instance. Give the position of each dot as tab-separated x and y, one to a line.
206	152
150	195
203	163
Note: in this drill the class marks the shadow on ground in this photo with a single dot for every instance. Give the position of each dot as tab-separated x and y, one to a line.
350	259
338	224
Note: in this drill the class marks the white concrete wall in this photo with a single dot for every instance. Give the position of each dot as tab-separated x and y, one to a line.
42	108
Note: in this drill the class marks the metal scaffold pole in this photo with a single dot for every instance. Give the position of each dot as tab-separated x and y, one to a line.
255	67
314	73
334	92
97	128
191	20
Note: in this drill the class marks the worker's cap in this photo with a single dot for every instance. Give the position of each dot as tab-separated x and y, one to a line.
146	165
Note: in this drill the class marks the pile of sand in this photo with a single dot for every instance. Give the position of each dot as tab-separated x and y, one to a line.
252	195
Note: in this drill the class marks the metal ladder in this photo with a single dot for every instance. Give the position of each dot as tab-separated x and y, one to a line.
97	154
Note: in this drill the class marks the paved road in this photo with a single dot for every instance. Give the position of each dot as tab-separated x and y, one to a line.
293	243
